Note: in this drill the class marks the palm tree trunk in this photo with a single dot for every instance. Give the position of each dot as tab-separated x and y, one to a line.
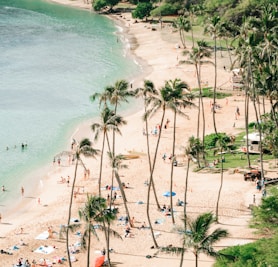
219	191
123	194
214	87
199	109
182	253
184	210
89	247
259	127
150	162
203	111
107	238
185	193
101	163
246	125
172	167
196	260
151	176
70	207
229	53
191	27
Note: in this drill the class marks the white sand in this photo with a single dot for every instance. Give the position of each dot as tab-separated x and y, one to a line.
157	50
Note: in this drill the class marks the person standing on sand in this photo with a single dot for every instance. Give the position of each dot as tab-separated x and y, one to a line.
22	191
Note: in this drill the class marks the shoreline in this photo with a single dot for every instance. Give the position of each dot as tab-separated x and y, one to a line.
53	207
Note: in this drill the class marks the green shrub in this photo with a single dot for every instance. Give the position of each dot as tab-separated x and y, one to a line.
211	139
166	10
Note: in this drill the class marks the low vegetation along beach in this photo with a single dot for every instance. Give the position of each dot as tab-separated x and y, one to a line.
145	226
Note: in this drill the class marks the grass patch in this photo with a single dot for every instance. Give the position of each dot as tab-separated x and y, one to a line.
208	92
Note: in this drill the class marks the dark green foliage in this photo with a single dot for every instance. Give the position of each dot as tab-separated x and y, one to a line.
235	10
211	139
252	125
99	4
265	216
270	132
142	10
264	251
261	253
166	10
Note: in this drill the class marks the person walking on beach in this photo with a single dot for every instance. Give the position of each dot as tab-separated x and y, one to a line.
22	191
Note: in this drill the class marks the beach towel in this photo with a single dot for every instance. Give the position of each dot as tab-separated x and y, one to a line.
43	262
14	248
159	221
43	236
44	250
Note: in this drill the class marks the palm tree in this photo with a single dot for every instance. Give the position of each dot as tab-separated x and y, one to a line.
83	148
95	211
115	94
213	27
147	93
198	57
108	121
193	11
158	102
183	25
243	58
178	98
198	238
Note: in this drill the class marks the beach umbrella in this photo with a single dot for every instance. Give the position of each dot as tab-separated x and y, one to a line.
168	194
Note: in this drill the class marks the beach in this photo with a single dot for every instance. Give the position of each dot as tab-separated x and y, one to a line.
158	54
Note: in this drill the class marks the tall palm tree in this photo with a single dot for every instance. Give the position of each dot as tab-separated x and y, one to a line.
198	57
95	211
109	121
183	25
213	27
159	102
115	94
83	148
227	31
199	238
178	99
243	57
147	93
193	11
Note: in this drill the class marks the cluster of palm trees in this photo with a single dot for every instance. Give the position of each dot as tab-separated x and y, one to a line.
254	45
256	55
174	95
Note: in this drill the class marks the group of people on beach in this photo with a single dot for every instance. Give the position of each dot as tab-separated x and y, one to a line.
157	128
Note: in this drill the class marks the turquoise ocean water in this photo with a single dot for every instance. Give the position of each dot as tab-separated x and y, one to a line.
52	58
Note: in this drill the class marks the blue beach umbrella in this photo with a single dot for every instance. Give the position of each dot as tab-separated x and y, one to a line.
168	194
